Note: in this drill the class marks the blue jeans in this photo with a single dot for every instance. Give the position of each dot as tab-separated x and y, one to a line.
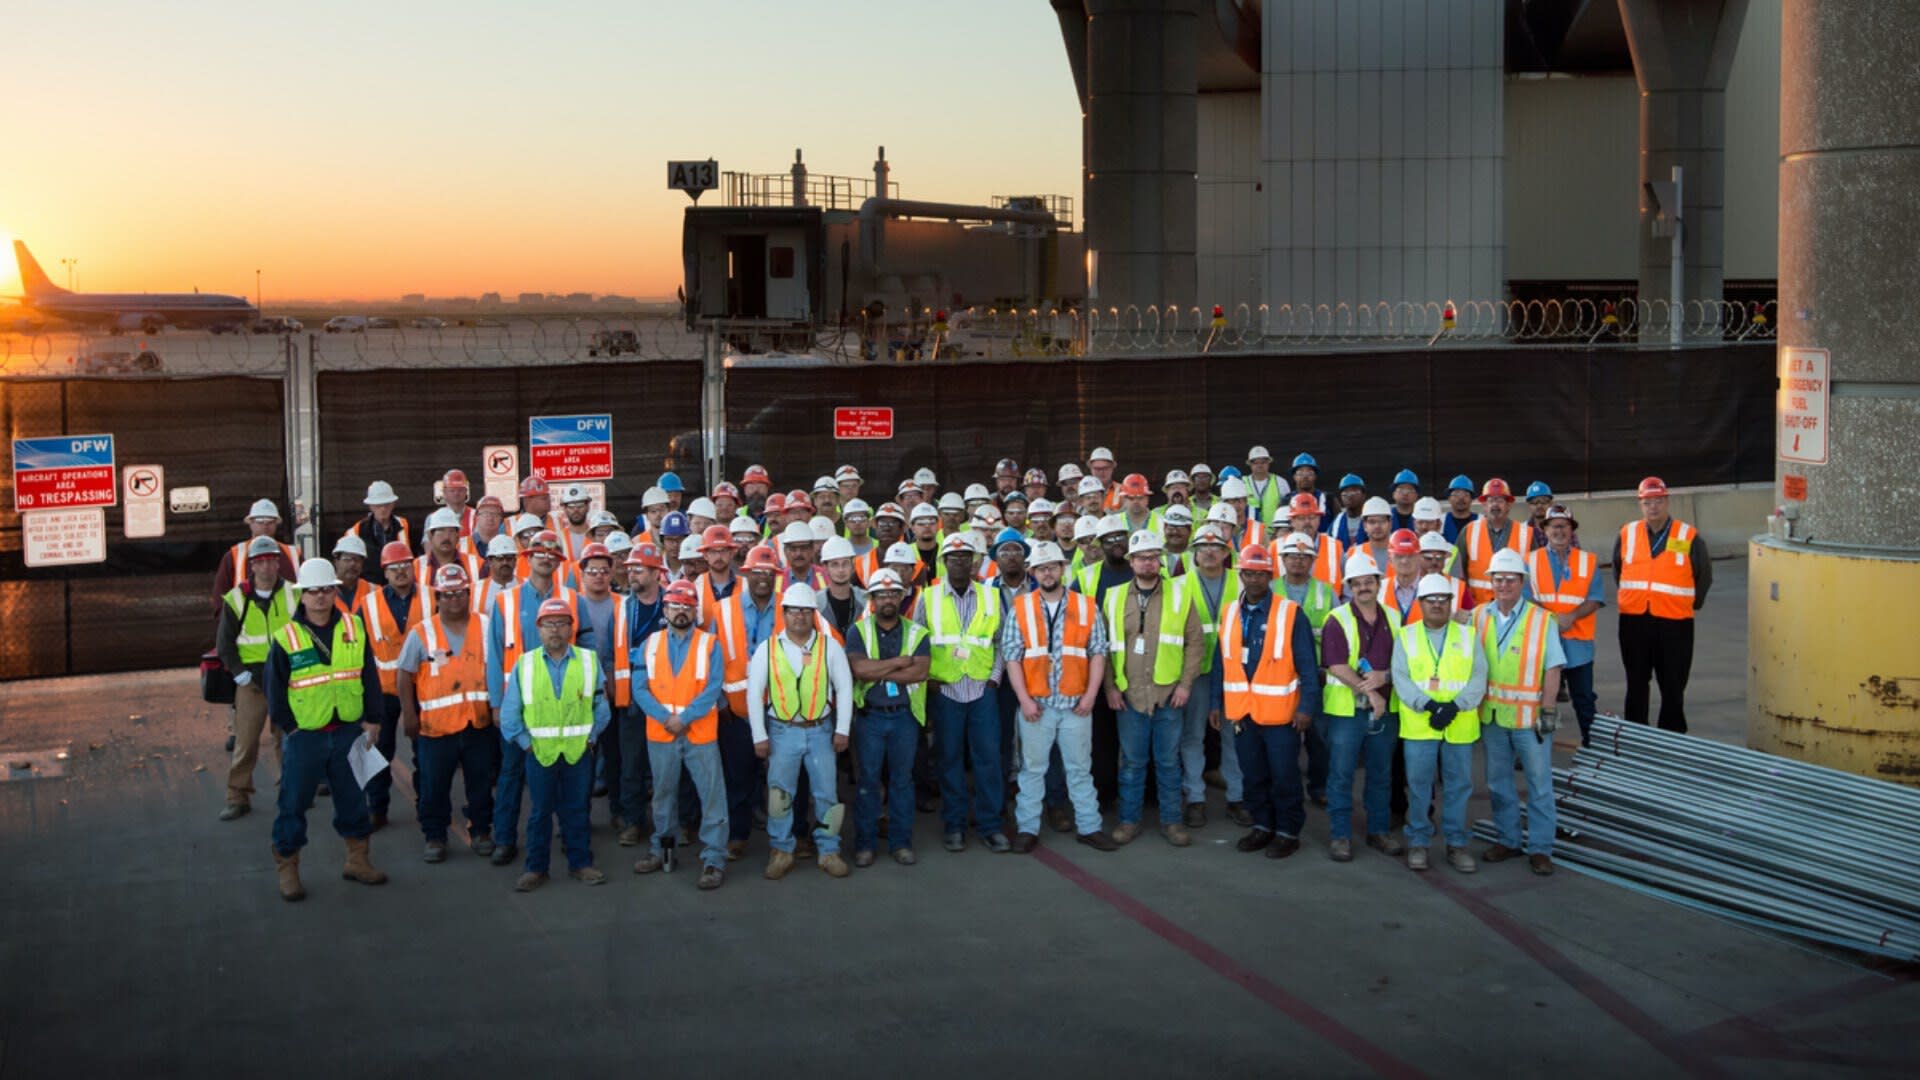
790	749
883	745
306	758
1193	742
1149	739
1579	684
637	780
1064	736
962	728
475	754
1270	764
1454	762
560	789
701	762
1535	754
1350	740
506	793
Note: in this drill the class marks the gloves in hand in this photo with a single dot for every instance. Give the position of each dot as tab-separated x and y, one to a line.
1549	719
1441	713
245	678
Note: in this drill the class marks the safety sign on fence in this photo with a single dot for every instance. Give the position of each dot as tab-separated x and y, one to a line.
64	472
870	422
64	537
569	448
145	516
500	465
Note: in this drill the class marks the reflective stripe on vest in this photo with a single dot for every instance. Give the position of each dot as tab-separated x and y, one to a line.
257	624
1480	551
451	692
962	651
1269	695
1336	697
675	690
797	695
1658	585
911	635
1514	671
559	723
1440	678
1076	633
1169	655
326	691
1570	593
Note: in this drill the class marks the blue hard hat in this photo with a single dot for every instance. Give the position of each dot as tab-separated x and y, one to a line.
1539	488
1305	459
1351	480
674	523
670	482
1461	483
1229	473
1406	476
1011	535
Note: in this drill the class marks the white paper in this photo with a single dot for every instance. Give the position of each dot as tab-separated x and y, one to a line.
367	761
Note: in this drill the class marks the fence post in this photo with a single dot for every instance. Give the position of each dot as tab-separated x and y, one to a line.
303	444
713	409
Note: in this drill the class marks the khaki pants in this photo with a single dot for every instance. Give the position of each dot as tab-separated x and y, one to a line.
249	721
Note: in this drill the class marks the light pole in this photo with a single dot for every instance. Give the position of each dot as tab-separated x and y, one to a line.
69	264
258	307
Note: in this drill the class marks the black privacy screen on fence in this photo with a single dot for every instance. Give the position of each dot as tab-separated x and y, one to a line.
150	605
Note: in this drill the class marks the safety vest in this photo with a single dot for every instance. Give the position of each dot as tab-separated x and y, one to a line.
731	627
1088	578
1272	695
1209	617
1514	670
1336	697
512	644
322	692
1326	563
710	603
1170	655
559	724
386	638
1255	533
962	651
1320	602
911	636
620	693
1076	631
1441	678
1661	585
350	601
423	569
486	589
1263	500
1570	593
676	689
451	691
237	558
797	696
1480	551
257	625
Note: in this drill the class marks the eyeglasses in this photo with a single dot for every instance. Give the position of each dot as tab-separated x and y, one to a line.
598	571
322	589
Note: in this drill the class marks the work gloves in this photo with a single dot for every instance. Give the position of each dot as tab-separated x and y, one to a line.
1549	719
1441	713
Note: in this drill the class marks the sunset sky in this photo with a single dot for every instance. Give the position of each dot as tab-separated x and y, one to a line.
366	150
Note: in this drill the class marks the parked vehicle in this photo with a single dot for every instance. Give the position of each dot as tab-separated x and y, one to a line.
278	324
613	343
347	324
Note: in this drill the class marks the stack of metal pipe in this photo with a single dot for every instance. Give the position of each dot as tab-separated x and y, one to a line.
1793	848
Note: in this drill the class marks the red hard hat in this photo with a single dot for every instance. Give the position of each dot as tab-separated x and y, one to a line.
776	503
451	578
1134	484
1403	542
491	502
645	554
799	500
716	536
723	489
555	608
1256	557
1303	503
1652	487
762	558
545	538
533	485
682	593
755	474
595	551
396	551
1496	487
454	476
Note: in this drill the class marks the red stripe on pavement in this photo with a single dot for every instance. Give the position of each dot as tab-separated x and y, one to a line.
1348	1040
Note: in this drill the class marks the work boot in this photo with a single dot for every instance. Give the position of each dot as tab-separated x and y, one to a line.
1499	853
1098	840
1541	864
234	810
529	881
1195	815
863	858
1240	815
956	842
998	843
1461	859
1024	843
589	875
359	868
1282	846
779	864
905	856
630	836
1254	840
1176	834
504	854
1417	859
436	852
736	849
834	865
1386	844
287	867
649	863
711	877
481	844
1060	818
1340	850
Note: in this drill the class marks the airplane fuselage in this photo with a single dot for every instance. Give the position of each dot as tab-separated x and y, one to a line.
173	309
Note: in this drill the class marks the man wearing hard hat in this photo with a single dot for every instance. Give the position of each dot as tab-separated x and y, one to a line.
454	493
1210	587
1485	535
889	656
444	708
1356	647
251	612
263	519
677	692
381	526
1263	490
1159	648
1439	679
962	617
554	709
350	563
1663	573
801	677
743	621
387	614
570	524
1521	642
322	692
1566	581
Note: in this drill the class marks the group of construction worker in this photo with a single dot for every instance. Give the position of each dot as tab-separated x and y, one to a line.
1033	649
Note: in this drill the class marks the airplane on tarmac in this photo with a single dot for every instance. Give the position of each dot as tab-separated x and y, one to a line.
145	312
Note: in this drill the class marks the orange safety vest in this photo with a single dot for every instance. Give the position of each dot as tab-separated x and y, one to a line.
509	604
423	584
730	624
1273	693
386	638
676	690
1570	594
1326	560
1480	549
865	566
352	605
237	558
709	603
1076	631
485	590
620	693
1662	585
450	689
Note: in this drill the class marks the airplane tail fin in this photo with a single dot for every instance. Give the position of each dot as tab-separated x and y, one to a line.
32	278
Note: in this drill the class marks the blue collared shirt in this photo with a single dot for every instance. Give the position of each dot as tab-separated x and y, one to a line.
679	645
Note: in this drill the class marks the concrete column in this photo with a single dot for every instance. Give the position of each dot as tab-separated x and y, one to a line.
1142	97
1682	54
1833	629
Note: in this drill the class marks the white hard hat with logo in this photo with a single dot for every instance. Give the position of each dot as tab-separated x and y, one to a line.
1145	542
1044	552
836	547
1434	585
800	595
1427	508
1360	564
1507	561
316	574
796	533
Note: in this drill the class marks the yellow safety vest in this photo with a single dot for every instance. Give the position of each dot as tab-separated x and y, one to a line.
322	691
1169	656
258	626
1515	669
1336	697
958	651
911	635
559	724
797	695
1441	678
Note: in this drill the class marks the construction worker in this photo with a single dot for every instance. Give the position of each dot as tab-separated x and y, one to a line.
1539	499
826	498
677	695
1459	508
797	545
251	612
755	486
1234	498
801	676
1113	568
488	516
1202	497
962	617
903	560
1134	494
535	499
387	616
889	526
554	711
1663	573
1376	525
349	562
726	502
923	523
1034	483
717	549
669	533
1265	491
603	627
745	533
1317	600
321	686
644	612
1406	493
454	493
443	548
263	519
743	622
1090	497
1306	475
1399	586
890	657
602	524
669	482
512	630
1100	467
1069	477
842	601
443	705
1209	588
1269	692
381	526
909	495
1303	519
1346	527
847	479
1490	533
1086	547
701	516
856	522
1566	581
1161	649
570	525
1521	642
1439	677
1356	649
1430	516
1006	476
1013	509
953	513
1436	555
503	564
1176	528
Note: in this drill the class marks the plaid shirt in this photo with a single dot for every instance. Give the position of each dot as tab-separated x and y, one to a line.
1013	650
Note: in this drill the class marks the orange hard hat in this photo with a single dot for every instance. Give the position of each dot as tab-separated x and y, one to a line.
645	554
776	503
595	551
533	485
545	539
683	594
725	490
1496	488
1303	503
396	551
490	502
762	558
799	500
451	578
1134	484
454	476
1653	487
716	536
555	608
1403	542
1256	557
756	474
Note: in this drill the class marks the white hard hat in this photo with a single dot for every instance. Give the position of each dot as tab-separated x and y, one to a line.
967	541
985	517
1223	513
977	493
316	574
1100	453
1145	542
821	526
1376	507
921	512
1360	564
524	522
1427	508
1176	477
952	501
743	525
1069	471
1257	453
884	580
1178	515
350	545
799	594
380	493
1089	485
836	547
702	507
602	517
264	510
924	476
846	472
690	547
1434	585
1040	508
443	518
856	506
655	496
825	483
1298	544
796	533
1507	561
502	547
1212	534
261	546
1044	552
615	543
1233	488
901	554
1085	528
1113	523
1200	467
1433	541
577	493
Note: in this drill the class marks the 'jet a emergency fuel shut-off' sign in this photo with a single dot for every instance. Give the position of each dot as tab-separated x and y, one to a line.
64	472
569	448
1803	405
